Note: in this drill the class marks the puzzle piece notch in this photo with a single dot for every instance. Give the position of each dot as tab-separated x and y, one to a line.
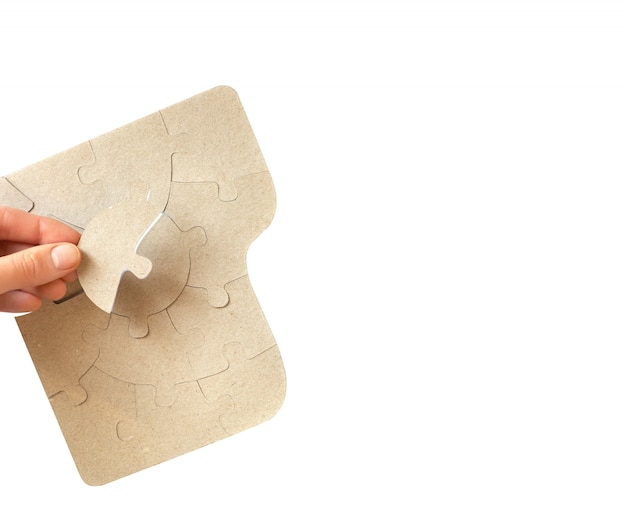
12	197
167	247
158	359
104	260
61	360
230	227
222	145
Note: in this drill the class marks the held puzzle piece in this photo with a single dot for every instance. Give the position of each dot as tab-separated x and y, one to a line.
161	347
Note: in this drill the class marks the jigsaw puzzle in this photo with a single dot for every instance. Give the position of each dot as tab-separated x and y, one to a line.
160	347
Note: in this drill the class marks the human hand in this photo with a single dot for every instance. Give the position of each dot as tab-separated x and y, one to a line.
38	256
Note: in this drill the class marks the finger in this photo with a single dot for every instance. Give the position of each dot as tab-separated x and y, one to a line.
8	247
37	266
19	302
19	226
54	290
71	277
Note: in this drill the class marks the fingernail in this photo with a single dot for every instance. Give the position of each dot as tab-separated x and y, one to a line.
65	256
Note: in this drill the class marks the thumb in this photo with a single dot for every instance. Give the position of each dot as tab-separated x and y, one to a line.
37	265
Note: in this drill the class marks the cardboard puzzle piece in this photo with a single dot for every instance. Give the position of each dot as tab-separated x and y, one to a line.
231	227
167	247
109	402
146	358
190	419
61	357
148	377
241	321
222	147
256	386
54	187
11	196
104	261
141	152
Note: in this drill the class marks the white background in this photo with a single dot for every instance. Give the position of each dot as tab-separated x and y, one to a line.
445	275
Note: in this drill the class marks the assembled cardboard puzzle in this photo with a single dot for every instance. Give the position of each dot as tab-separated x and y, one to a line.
161	346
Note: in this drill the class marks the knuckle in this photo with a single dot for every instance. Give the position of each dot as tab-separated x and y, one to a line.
27	265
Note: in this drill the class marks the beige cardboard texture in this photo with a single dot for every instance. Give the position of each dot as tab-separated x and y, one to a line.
54	336
105	261
230	227
162	348
55	189
168	247
11	196
218	137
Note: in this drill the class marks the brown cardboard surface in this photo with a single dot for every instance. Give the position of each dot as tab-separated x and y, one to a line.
162	347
